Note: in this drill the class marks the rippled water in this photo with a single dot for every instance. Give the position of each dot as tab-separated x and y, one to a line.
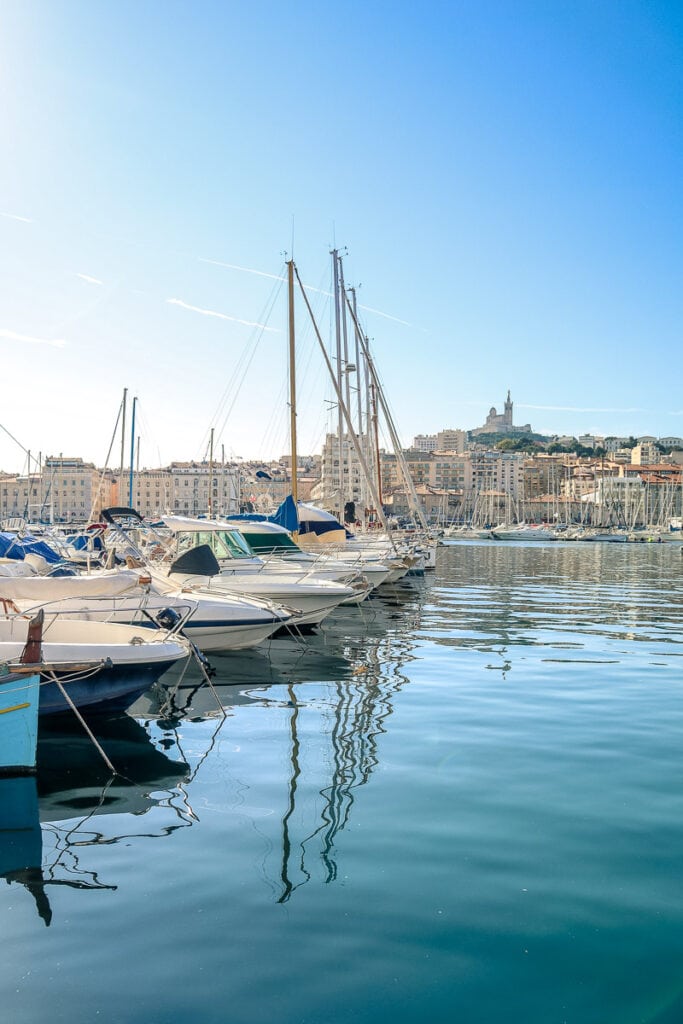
461	802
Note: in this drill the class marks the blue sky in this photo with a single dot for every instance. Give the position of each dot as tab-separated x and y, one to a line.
505	176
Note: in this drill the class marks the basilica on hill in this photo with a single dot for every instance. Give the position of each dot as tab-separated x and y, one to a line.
501	422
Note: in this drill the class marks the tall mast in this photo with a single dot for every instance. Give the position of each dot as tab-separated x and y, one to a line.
340	399
132	453
292	383
375	429
210	502
340	420
362	434
123	441
410	486
345	335
359	393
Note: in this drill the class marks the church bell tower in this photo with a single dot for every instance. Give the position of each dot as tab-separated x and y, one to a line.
508	411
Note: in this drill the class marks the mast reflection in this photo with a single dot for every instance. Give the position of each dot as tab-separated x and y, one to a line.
356	709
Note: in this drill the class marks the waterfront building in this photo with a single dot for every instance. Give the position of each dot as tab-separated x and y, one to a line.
72	490
498	471
451	441
437	505
202	488
645	453
19	496
614	444
341	476
65	490
591	441
425	442
152	492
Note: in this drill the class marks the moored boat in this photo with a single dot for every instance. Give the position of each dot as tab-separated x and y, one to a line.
19	698
96	665
523	531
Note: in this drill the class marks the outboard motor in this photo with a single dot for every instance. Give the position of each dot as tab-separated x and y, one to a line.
168	618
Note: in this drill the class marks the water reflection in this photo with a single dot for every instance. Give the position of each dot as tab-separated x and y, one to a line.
333	694
21	840
336	690
48	822
491	597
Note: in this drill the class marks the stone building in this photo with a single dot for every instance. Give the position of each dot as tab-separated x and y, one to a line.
501	423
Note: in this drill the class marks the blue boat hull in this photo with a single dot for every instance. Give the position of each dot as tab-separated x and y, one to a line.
111	688
19	697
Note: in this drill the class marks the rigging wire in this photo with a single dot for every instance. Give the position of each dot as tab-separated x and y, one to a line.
104	468
29	458
232	390
147	431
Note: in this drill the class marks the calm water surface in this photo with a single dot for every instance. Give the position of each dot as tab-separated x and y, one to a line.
461	802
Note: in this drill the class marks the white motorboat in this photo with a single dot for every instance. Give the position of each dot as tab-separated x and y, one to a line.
217	622
523	531
276	546
210	558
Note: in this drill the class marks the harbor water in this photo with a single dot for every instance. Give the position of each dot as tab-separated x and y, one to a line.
461	801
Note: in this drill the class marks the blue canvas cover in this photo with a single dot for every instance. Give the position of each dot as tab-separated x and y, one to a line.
13	546
286	515
305	519
84	542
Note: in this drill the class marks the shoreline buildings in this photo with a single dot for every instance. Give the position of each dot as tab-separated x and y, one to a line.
457	474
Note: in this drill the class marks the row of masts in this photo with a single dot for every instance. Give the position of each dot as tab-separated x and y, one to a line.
650	507
134	465
364	434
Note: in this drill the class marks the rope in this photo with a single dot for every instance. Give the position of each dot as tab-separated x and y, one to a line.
83	722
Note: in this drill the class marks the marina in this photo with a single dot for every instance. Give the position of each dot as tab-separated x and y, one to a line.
457	800
341	513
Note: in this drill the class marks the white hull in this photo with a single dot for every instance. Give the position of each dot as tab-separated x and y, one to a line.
219	623
70	641
308	603
525	533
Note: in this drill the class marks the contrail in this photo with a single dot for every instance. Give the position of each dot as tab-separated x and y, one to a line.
220	316
29	339
309	287
571	408
369	309
15	216
245	270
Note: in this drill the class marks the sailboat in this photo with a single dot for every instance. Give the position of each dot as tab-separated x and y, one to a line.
408	554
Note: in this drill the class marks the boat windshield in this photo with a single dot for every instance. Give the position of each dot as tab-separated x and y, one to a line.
223	543
267	542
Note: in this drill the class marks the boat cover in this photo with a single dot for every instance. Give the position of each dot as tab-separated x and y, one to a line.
42	589
14	546
302	518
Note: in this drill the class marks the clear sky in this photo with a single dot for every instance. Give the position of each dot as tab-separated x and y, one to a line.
506	177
